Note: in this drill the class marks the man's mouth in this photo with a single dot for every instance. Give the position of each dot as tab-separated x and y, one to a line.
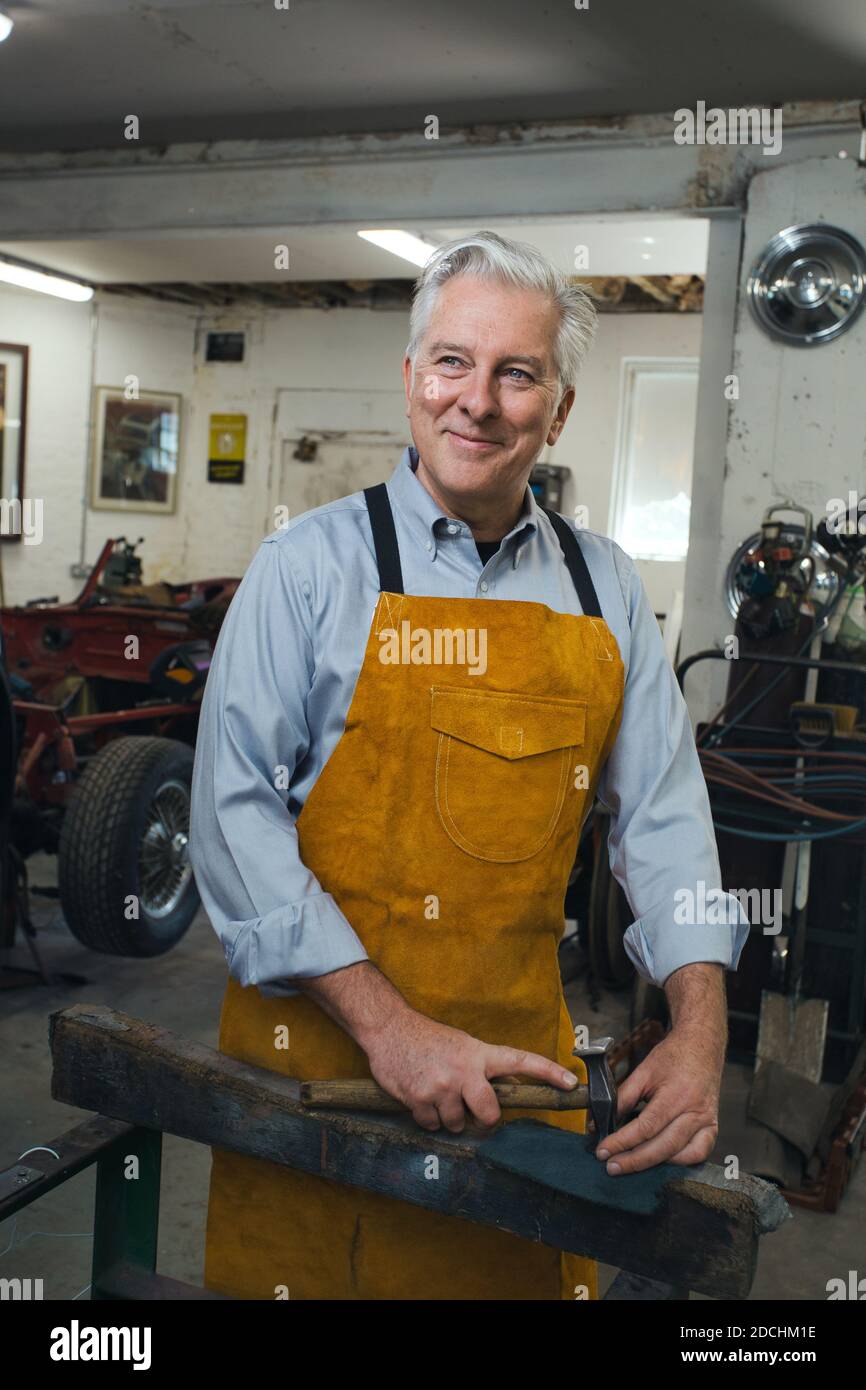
470	441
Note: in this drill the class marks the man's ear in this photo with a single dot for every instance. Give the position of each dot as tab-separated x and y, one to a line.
561	416
407	383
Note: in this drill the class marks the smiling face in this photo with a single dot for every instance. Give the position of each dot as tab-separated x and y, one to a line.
485	398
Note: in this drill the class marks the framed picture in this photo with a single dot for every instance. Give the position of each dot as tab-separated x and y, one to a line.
135	451
13	432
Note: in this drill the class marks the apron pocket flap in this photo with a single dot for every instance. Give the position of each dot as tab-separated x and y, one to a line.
512	726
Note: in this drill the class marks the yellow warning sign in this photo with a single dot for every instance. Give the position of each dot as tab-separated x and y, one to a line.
227	447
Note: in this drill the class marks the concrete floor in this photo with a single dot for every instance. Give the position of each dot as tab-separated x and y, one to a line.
51	1239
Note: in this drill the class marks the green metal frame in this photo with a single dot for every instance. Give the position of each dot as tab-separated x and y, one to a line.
126	1213
126	1210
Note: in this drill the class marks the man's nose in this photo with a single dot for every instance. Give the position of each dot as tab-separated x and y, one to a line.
479	396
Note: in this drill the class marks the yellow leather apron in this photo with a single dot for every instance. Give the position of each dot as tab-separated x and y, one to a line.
445	825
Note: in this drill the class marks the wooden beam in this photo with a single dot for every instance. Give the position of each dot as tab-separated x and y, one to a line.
614	293
688	1227
655	291
131	1284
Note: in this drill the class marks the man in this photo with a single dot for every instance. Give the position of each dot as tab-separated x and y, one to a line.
385	813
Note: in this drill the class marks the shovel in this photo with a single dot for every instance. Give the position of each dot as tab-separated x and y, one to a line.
792	1030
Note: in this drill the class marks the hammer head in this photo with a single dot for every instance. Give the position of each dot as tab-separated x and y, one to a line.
601	1083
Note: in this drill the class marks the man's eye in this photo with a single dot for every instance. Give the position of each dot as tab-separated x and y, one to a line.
449	360
520	372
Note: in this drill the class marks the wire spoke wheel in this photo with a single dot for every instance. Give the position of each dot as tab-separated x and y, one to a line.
163	857
126	880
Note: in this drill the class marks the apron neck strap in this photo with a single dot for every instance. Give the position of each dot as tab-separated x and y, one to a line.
577	566
388	552
384	539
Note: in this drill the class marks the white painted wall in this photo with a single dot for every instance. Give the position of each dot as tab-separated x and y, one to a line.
156	344
324	360
58	334
798	428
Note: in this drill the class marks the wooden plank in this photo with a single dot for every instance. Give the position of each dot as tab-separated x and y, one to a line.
133	1284
689	1227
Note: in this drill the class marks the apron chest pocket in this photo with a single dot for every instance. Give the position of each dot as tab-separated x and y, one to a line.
504	763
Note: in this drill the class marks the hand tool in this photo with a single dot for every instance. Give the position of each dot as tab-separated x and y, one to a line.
598	1096
601	1085
792	1029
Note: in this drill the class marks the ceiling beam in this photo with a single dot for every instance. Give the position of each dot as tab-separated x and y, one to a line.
585	168
613	293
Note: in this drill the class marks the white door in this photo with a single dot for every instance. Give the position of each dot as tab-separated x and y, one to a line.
330	444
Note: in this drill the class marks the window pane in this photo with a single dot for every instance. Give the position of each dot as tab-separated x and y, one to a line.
654	467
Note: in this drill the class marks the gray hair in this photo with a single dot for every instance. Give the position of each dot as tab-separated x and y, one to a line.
492	257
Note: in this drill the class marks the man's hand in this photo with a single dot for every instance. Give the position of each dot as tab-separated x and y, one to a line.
440	1072
437	1071
681	1077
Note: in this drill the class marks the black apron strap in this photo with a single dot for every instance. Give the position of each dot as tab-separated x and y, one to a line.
388	553
384	539
577	566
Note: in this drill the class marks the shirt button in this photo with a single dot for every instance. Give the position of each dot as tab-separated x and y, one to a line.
484	586
452	530
429	545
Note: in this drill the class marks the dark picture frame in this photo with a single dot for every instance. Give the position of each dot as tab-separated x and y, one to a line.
14	373
136	450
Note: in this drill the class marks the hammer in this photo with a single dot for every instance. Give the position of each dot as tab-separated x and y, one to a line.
598	1096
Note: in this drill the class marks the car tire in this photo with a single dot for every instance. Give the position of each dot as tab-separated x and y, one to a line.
126	884
609	918
648	1004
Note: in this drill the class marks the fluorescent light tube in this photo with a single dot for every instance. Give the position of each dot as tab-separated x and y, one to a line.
402	244
27	279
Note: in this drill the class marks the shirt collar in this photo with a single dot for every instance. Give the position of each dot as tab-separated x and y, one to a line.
425	517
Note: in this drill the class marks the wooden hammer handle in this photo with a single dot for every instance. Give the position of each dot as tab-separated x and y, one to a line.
368	1095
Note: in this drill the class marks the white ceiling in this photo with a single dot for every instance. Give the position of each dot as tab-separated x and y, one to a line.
240	69
632	245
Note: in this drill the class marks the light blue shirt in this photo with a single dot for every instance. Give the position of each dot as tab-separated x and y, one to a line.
283	675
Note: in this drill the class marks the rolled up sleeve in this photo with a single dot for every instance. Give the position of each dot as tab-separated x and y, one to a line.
662	844
269	911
